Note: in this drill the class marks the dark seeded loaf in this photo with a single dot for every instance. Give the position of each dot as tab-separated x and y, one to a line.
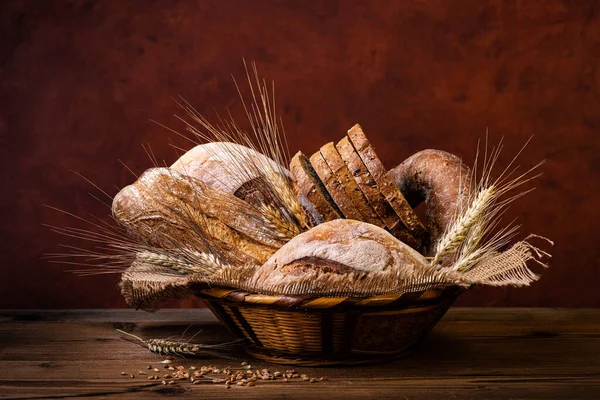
386	184
369	188
353	193
309	185
335	188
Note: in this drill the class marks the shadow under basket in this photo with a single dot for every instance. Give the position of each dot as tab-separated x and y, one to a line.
329	330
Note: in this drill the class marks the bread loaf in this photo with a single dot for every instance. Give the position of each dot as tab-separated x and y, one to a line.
309	186
334	187
344	178
340	257
166	209
385	183
440	179
369	188
231	168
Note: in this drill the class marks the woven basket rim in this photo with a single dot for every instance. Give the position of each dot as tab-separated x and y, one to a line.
321	302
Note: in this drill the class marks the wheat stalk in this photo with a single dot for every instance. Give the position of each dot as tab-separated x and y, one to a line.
287	197
268	138
208	258
469	246
181	348
460	229
277	222
164	260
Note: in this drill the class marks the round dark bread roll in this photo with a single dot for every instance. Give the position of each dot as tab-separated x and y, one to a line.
440	179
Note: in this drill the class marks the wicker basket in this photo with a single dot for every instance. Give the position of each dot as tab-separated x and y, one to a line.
328	330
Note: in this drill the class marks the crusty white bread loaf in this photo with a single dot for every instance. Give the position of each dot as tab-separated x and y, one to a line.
341	257
440	179
230	167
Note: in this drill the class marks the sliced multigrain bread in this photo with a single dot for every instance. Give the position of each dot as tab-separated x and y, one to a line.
369	188
334	187
345	179
385	183
310	186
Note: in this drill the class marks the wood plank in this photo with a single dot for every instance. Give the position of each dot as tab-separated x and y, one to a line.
472	353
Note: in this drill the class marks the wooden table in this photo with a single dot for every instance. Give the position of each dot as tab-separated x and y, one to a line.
472	353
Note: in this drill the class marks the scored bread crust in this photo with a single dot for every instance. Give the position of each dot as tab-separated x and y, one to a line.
341	257
368	186
169	210
309	185
385	183
344	178
230	167
334	187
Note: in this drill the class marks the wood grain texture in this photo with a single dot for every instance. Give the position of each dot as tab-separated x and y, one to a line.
472	353
80	81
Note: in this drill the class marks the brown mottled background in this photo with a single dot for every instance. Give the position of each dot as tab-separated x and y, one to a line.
81	80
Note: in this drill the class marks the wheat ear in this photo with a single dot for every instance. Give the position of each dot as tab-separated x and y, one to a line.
275	220
471	249
456	235
267	137
180	348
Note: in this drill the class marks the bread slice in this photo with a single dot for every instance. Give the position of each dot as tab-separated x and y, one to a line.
385	183
334	187
309	185
369	188
345	179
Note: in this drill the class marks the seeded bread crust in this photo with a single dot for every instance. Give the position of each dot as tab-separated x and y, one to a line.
334	187
309	186
345	179
368	186
386	184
